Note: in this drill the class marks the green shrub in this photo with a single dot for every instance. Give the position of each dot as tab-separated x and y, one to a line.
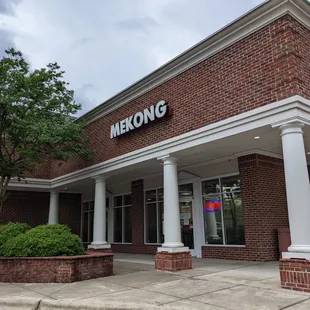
45	240
9	231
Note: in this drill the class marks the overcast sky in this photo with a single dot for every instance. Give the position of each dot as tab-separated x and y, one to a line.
106	45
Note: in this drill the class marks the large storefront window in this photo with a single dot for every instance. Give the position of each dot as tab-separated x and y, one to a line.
88	220
223	216
122	219
154	214
154	210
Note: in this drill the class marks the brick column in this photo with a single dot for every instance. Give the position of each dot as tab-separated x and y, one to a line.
137	212
264	204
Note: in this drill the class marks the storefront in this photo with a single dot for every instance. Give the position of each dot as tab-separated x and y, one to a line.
207	155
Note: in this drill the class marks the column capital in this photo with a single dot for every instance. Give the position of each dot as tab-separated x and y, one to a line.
54	192
100	178
289	128
168	160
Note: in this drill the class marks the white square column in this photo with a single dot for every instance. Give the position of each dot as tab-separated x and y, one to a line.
297	189
53	215
172	227
99	236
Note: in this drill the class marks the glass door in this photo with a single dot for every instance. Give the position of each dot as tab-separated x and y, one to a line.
187	226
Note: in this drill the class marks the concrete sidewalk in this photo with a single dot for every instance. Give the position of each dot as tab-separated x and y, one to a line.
211	285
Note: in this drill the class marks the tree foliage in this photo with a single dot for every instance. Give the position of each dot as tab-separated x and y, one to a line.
36	118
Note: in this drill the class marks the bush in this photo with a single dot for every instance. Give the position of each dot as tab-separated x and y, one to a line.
9	231
45	240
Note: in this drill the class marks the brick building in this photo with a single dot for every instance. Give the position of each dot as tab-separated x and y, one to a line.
219	135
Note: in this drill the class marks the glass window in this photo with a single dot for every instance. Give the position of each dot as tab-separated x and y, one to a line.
213	219
151	222
150	196
161	221
87	221
231	184
118	201
223	214
160	194
127	200
85	227
154	212
91	205
127	224
118	219
233	218
186	190
122	219
210	187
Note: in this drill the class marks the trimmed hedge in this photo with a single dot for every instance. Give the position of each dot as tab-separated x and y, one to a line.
43	241
9	231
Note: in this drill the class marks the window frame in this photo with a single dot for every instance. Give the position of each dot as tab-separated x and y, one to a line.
122	207
219	177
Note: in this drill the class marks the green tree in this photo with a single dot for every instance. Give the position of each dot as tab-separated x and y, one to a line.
36	119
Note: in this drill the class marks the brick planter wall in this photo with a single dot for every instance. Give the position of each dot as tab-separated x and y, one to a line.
65	269
173	262
295	274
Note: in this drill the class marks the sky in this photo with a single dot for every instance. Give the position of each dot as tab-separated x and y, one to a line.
106	45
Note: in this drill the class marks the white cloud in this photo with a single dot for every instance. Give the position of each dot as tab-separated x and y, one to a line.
104	46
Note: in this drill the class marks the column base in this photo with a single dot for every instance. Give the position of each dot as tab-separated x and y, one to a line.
295	274
173	261
296	255
101	248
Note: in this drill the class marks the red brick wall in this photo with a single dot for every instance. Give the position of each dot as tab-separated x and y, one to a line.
173	262
268	65
55	269
264	210
70	211
295	274
32	208
137	211
42	171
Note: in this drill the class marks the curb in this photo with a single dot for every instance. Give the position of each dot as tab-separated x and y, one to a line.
97	304
20	303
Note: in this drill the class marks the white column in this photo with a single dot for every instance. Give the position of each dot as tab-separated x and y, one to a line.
211	225
297	189
54	208
172	227
99	239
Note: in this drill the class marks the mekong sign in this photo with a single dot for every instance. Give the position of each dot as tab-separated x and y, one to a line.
156	111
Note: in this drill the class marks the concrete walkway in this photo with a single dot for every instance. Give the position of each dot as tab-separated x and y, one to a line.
211	285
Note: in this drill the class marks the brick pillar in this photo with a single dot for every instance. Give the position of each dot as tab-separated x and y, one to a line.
137	212
295	274
264	204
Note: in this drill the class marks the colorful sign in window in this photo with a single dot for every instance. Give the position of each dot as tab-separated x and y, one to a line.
213	205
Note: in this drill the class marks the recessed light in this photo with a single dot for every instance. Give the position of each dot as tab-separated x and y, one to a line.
66	187
257	137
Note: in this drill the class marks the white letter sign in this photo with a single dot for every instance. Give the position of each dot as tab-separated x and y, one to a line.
156	111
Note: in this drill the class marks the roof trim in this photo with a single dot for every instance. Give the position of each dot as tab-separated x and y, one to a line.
248	23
